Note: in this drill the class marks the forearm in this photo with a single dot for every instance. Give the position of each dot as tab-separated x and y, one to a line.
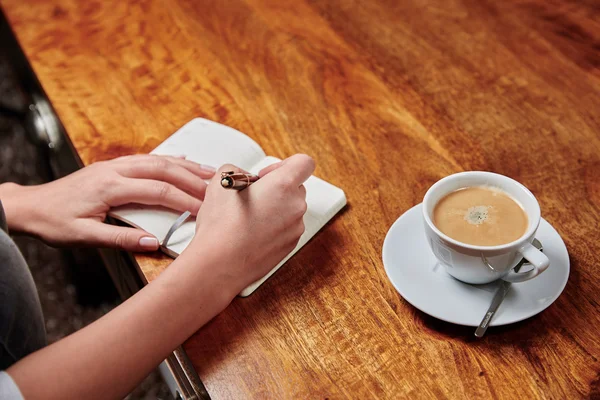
17	205
109	357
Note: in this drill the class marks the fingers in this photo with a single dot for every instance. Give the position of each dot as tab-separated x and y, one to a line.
169	171
303	191
230	167
295	169
201	170
304	205
270	168
227	168
152	192
129	239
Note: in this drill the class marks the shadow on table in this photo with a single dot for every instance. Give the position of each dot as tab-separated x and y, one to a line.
520	333
236	329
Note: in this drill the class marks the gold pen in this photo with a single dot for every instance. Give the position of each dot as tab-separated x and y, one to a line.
237	180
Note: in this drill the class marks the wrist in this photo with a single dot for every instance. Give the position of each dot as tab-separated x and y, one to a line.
17	206
205	266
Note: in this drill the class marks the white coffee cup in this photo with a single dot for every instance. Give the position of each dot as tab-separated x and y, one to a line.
484	264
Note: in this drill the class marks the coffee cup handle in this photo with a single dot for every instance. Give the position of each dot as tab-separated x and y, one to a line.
536	258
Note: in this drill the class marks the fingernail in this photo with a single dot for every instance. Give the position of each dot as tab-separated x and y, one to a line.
150	243
208	168
182	156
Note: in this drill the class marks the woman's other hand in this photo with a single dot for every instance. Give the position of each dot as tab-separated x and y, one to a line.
71	210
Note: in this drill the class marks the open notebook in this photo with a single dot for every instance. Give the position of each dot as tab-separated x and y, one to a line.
211	143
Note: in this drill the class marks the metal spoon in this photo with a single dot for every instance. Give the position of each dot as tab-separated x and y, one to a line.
499	296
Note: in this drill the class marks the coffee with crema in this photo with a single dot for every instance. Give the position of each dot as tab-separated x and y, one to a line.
481	216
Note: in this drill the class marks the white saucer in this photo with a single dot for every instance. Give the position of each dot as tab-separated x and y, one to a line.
415	273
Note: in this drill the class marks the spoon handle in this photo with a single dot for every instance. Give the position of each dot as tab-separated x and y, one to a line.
498	298
500	295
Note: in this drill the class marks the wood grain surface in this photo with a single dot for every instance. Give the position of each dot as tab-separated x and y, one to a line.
388	97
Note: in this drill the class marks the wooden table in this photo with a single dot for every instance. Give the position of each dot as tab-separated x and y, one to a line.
406	91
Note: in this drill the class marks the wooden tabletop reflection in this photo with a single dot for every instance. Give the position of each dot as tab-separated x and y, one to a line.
388	97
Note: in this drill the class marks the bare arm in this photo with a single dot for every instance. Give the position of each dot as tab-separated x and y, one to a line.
106	359
71	210
109	357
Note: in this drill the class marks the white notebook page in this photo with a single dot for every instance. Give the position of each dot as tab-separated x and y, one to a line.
210	143
214	144
201	141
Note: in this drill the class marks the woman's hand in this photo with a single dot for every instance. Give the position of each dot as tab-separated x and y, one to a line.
253	229
71	210
240	237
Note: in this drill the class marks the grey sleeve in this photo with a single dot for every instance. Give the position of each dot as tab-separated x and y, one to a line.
8	388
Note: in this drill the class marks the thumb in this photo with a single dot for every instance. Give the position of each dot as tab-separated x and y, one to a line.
298	167
129	239
270	168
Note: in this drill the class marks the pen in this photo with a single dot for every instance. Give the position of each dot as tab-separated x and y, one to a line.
237	180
